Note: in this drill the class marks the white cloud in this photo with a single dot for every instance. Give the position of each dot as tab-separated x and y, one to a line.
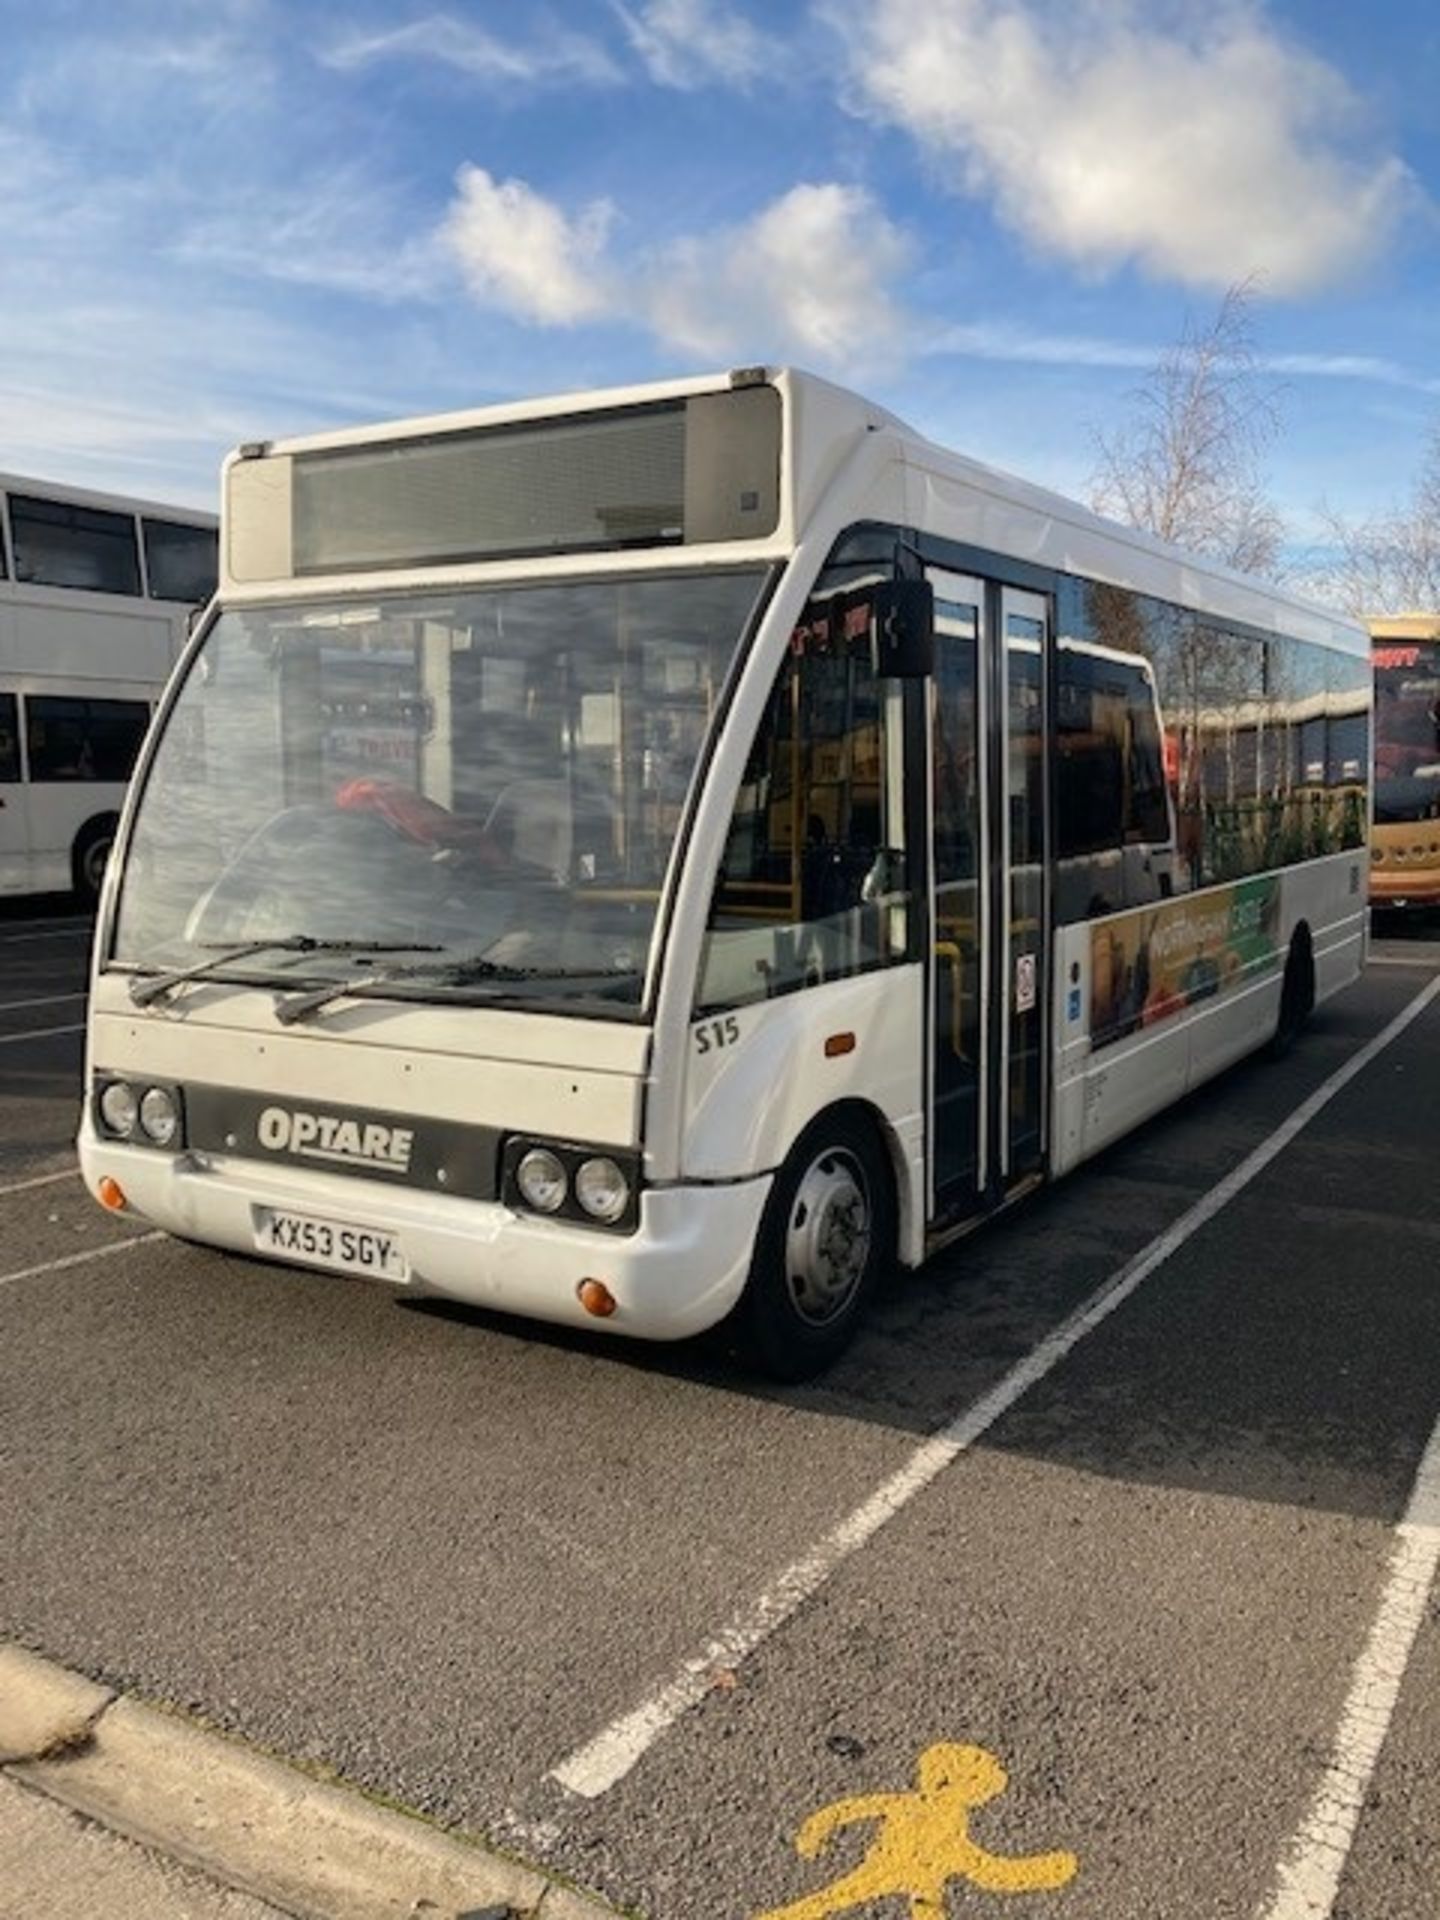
1003	341
559	57
1018	345
524	255
687	43
1349	366
343	231
1203	152
809	275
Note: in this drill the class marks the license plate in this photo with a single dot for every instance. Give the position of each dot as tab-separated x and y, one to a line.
336	1244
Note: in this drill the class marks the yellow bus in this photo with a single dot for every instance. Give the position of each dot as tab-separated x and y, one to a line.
1405	832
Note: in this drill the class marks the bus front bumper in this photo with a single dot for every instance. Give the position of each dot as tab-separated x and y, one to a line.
680	1272
1393	886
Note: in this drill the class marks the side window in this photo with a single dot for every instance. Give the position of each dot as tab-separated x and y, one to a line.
812	883
1025	772
83	739
180	561
59	544
9	738
1116	834
1090	739
1348	699
1149	805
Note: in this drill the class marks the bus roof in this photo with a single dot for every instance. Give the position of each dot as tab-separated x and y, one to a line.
827	461
1403	626
61	490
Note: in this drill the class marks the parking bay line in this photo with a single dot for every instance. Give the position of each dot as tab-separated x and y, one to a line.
78	1259
39	1033
39	1180
603	1761
1309	1878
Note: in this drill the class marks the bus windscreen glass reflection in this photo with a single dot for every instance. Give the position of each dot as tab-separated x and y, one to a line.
494	781
1407	731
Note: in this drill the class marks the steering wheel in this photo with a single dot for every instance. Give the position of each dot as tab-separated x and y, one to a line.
283	871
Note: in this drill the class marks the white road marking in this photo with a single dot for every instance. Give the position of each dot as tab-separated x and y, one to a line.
78	1259
39	1180
1309	1879
597	1766
41	1000
38	1033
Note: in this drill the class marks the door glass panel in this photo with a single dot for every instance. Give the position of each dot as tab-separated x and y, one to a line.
958	1049
1025	887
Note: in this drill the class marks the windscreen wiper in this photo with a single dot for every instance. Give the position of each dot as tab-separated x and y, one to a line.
459	973
150	988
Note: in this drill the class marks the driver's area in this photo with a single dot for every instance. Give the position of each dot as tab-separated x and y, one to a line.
813	884
494	777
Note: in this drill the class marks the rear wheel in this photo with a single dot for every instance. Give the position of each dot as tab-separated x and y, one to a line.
88	857
826	1236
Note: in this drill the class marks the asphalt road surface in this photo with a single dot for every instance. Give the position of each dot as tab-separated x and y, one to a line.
1145	1621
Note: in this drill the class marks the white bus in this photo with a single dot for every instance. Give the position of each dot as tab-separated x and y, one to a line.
95	596
658	857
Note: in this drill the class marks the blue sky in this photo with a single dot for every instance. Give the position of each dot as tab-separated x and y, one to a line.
230	219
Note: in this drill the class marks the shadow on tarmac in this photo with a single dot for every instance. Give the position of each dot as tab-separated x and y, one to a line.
1282	1355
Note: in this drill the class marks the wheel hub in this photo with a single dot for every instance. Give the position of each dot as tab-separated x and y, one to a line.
827	1240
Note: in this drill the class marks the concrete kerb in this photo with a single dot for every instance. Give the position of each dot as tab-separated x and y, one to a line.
315	1850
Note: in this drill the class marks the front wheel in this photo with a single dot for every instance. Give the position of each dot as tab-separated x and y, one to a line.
826	1236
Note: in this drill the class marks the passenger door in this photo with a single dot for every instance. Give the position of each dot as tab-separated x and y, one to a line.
989	895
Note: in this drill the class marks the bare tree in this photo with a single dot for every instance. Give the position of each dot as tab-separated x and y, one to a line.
1186	464
1389	563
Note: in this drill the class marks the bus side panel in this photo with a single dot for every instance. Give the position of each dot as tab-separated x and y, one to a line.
1103	1093
99	639
73	645
1330	897
1327	897
1151	1003
757	1076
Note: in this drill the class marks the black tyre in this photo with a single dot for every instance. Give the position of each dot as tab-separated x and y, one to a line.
826	1236
88	857
1297	997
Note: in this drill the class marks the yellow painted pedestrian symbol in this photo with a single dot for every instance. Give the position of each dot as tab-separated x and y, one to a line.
923	1843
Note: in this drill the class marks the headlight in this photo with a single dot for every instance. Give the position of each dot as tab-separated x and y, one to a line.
542	1181
602	1189
119	1109
159	1115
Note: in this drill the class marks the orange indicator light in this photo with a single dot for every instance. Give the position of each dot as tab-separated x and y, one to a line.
838	1043
597	1298
111	1193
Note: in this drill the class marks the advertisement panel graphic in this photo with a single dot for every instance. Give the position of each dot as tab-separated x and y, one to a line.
1146	967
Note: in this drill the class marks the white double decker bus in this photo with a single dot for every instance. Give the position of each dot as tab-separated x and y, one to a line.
96	592
656	857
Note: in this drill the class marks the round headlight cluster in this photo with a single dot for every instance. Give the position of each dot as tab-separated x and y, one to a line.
119	1109
159	1115
542	1180
149	1113
550	1182
602	1189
